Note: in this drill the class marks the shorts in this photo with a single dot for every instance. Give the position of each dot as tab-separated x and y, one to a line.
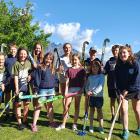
96	102
25	91
10	87
112	93
50	93
133	95
73	90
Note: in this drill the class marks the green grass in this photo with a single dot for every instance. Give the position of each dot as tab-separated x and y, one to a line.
9	131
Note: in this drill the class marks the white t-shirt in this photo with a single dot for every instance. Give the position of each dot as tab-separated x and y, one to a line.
65	61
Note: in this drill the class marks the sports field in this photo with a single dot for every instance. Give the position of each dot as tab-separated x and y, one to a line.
8	130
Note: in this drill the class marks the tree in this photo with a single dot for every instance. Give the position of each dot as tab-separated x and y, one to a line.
15	26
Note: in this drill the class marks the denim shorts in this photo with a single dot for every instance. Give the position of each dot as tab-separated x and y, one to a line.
48	93
73	90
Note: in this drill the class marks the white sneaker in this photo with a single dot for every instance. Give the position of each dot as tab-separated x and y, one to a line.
60	127
74	127
91	129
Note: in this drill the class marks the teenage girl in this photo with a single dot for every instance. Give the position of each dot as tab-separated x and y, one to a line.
44	84
75	79
127	72
21	73
65	64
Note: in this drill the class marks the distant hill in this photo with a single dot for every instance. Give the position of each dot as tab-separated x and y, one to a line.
59	47
138	55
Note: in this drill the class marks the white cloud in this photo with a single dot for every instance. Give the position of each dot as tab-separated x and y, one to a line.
70	32
47	14
48	28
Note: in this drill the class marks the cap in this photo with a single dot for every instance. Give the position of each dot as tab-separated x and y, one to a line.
92	49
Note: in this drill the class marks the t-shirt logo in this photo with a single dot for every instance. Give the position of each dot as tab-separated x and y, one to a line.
112	65
131	71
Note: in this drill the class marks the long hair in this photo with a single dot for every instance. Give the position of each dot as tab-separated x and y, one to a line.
18	53
70	56
43	64
78	56
131	57
41	55
95	63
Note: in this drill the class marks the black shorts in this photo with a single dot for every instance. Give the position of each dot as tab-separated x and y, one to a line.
133	95
112	93
96	102
25	91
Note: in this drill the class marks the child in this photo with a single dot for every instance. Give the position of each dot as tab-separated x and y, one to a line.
88	61
65	64
75	79
9	62
37	55
2	76
21	78
127	72
44	83
111	82
94	89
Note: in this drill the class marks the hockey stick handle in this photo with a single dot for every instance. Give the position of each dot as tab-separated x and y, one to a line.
114	120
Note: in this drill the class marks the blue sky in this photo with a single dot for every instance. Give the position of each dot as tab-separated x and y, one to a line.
94	20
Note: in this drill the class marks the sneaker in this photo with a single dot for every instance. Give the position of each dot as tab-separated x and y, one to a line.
34	128
60	127
91	129
21	127
125	135
74	127
138	131
101	130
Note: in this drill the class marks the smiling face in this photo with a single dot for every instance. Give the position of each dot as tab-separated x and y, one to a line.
13	50
124	54
48	60
23	55
67	49
38	49
75	60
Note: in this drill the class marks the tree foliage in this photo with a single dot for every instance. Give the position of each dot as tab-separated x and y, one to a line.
16	26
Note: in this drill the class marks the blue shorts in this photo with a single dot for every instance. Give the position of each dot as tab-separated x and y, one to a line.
48	93
73	90
96	102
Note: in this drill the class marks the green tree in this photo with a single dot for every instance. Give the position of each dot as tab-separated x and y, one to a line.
15	26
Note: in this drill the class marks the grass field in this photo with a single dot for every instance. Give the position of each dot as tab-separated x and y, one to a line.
8	130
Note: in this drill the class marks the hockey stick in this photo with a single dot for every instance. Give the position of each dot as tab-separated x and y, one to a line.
103	49
113	123
50	100
32	96
10	101
83	132
83	52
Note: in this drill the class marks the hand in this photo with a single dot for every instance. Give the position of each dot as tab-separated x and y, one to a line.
89	93
2	87
29	78
61	68
17	91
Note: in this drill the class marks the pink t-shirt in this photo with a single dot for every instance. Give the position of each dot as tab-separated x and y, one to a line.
76	77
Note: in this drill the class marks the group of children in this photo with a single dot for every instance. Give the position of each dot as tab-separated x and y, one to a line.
18	73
